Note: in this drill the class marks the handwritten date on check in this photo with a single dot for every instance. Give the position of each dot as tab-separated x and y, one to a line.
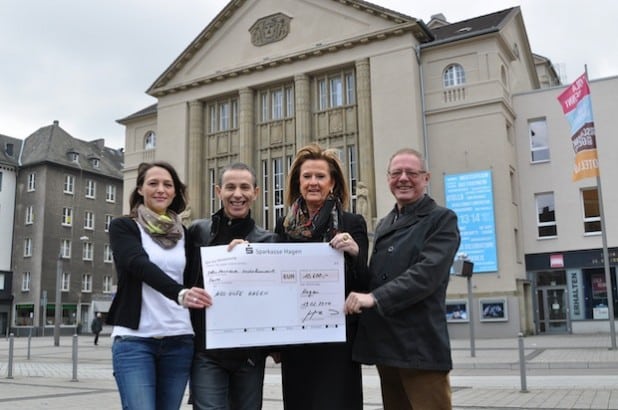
274	294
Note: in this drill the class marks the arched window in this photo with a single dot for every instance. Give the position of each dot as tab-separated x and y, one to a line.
150	140
454	75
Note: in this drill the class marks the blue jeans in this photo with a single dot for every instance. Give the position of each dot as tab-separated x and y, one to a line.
227	384
152	374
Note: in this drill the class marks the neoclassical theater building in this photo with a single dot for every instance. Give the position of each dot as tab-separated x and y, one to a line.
266	77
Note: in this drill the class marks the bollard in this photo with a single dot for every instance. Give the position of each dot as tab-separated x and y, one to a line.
522	363
74	379
29	340
11	341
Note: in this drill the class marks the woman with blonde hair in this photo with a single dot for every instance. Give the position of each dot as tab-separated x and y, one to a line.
322	375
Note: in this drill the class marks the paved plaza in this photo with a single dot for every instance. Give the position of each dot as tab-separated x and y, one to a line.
561	372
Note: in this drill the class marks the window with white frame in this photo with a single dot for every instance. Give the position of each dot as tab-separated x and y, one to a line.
89	220
539	141
95	162
108	285
352	175
265	194
336	90
65	248
26	278
29	216
108	256
223	115
276	103
73	156
69	184
87	282
87	251
66	281
27	247
150	140
212	183
277	188
546	215
31	182
108	221
67	216
0	181
91	188
3	283
592	211
110	193
454	75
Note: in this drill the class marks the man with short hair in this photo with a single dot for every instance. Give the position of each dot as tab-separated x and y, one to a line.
226	378
402	327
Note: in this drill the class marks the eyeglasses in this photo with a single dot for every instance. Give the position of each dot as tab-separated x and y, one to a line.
397	173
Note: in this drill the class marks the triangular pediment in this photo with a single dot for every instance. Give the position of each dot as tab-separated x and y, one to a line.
250	35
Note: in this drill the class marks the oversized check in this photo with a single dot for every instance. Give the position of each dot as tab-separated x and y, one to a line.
274	294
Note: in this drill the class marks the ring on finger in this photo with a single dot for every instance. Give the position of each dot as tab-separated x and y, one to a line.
346	237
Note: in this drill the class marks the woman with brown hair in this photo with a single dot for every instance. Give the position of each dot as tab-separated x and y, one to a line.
322	375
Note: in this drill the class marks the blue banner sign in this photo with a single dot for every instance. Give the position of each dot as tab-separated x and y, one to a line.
470	195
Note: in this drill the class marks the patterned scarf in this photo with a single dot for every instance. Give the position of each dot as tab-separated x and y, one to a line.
322	227
165	230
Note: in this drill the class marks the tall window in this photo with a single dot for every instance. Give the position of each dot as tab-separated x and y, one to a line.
212	183
26	277
539	142
32	182
453	76
110	193
277	187
87	251
69	182
67	216
108	256
66	281
86	282
336	90
27	247
107	284
150	140
0	181
592	211
546	215
108	221
91	188
223	115
276	103
29	215
89	220
65	248
265	194
352	175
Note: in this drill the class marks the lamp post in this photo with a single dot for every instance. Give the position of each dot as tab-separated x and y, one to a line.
58	303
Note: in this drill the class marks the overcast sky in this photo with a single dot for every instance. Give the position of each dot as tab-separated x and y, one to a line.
89	63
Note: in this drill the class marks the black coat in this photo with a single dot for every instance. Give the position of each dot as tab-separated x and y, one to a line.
202	233
409	273
322	376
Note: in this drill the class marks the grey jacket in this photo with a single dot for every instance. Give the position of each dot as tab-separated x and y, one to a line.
408	275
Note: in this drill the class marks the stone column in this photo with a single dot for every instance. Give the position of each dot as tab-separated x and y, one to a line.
246	125
195	160
366	165
302	96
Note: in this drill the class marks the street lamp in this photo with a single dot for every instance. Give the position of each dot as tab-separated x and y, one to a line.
58	305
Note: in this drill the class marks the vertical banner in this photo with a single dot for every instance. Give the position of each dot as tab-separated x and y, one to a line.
577	108
470	196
